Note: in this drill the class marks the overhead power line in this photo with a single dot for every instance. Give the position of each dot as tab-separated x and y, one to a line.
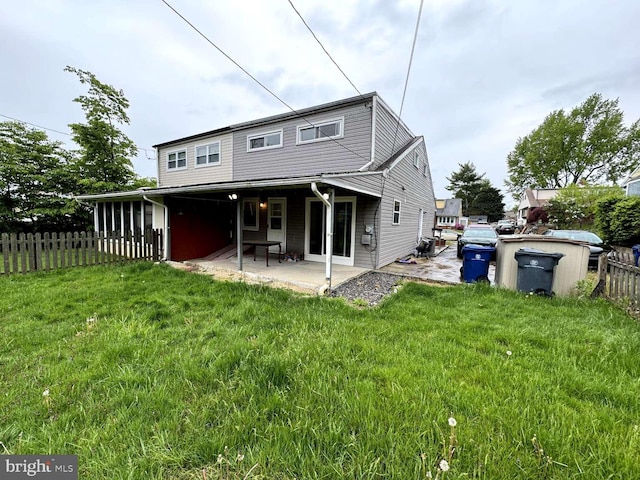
34	125
208	40
65	133
322	46
406	82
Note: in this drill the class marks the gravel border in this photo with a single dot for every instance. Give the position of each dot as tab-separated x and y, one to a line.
372	287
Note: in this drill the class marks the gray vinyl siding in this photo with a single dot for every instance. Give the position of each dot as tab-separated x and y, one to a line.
352	152
295	223
192	175
366	210
414	190
387	140
364	183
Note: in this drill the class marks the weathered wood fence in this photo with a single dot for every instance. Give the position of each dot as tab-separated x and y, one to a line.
23	253
619	277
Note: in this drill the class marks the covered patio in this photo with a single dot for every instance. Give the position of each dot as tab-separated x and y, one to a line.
301	275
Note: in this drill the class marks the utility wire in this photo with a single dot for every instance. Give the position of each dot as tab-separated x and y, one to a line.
34	125
63	133
324	49
406	82
255	79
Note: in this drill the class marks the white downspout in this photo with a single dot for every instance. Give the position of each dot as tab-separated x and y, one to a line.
165	242
329	233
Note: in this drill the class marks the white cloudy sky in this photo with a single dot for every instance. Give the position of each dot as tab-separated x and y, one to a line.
484	73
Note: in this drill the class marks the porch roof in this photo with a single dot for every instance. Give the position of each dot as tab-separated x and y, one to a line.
340	180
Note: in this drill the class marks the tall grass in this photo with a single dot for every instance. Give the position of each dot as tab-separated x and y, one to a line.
152	373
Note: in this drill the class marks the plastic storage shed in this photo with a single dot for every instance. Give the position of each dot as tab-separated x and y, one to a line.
569	271
475	262
535	270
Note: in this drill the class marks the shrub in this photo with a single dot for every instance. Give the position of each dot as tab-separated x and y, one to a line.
537	214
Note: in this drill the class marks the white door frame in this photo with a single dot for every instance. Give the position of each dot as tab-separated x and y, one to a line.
337	259
284	223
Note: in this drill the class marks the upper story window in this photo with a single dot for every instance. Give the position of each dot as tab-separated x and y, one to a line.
177	160
425	167
263	141
321	131
416	160
208	154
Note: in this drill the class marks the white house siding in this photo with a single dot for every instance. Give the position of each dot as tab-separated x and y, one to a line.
346	154
414	190
192	175
387	140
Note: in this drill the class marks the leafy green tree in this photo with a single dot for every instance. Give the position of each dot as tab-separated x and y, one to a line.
618	218
589	144
37	179
105	154
575	206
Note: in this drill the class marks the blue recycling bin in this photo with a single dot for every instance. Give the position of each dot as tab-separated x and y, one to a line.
475	262
636	253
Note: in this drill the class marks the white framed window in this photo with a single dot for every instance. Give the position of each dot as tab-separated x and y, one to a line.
177	160
250	214
416	160
264	141
207	154
424	169
320	131
396	212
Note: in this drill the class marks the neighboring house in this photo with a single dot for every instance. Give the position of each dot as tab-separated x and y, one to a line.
448	212
631	184
279	178
533	198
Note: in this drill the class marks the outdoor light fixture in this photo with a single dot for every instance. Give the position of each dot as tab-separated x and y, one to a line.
233	196
263	204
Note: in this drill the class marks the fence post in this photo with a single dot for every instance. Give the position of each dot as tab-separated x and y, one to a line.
23	252
38	242
6	253
46	251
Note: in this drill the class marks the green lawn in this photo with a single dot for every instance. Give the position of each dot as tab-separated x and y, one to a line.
155	373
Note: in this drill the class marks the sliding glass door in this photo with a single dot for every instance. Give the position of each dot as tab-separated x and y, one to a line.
343	230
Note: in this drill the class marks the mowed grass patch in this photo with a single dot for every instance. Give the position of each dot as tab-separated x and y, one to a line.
156	373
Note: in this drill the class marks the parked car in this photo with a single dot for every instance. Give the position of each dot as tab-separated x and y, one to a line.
448	234
505	227
596	245
477	235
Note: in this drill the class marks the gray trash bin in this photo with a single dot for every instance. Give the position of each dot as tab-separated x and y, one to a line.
535	270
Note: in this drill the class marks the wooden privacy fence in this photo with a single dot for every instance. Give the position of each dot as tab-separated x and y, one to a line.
23	253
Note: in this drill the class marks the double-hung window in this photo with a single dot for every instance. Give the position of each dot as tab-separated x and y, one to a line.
208	154
416	160
321	131
264	141
177	160
396	212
